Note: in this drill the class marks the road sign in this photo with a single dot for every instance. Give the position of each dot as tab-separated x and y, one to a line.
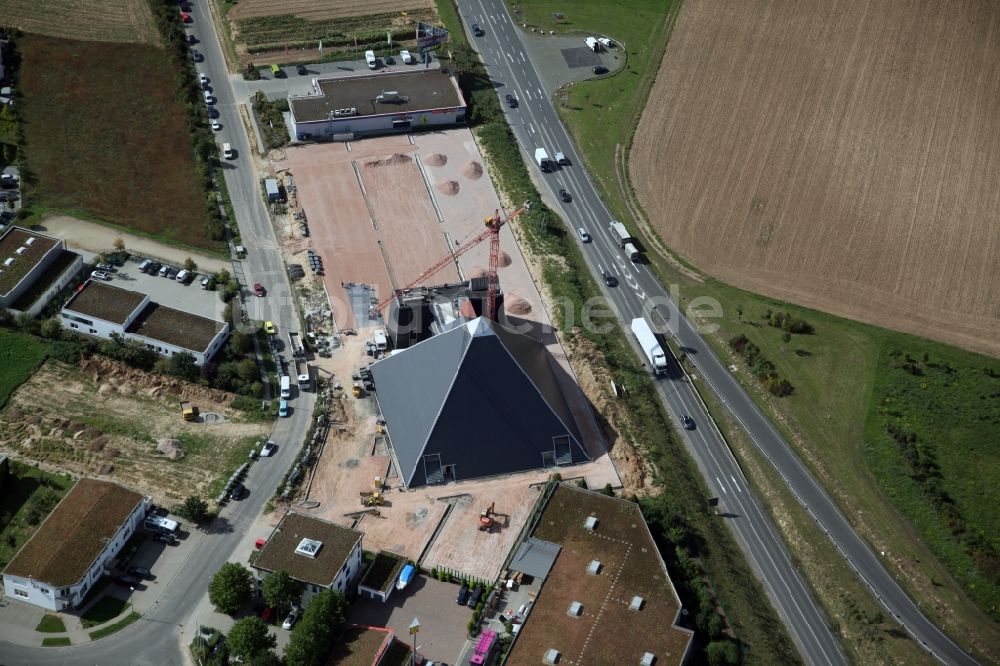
414	626
429	35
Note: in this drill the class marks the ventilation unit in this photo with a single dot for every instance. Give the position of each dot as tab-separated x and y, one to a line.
594	567
591	523
637	604
551	656
575	609
309	548
648	659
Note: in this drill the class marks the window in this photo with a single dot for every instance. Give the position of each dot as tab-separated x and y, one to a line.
340	584
45	590
73	326
20	593
93	330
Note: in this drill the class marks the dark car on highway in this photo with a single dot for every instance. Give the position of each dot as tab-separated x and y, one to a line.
477	31
688	422
564	195
511	101
463	594
609	279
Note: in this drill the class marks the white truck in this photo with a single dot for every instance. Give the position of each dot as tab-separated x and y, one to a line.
624	240
650	346
406	57
543	160
303	376
286	387
381	340
370	59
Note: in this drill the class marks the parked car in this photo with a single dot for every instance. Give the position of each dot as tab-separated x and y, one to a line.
511	101
127	581
109	268
212	112
301	69
237	492
216	126
564	195
584	236
688	422
477	31
267	614
269	327
154	267
600	69
6	217
168	539
268	450
192	39
609	279
203	79
475	597
208	97
258	289
139	572
463	594
283	408
292	618
196	56
164	270
100	275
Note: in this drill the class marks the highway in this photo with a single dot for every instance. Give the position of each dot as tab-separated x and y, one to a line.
536	124
162	635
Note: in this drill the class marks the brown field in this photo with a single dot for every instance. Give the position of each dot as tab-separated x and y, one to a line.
317	10
87	20
844	156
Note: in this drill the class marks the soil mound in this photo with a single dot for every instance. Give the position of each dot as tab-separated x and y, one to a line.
477	272
504	259
516	305
473	171
436	159
171	448
449	187
393	160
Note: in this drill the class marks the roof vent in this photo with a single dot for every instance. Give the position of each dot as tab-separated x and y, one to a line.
21	250
591	523
8	261
575	609
30	240
594	567
551	656
637	604
309	548
648	659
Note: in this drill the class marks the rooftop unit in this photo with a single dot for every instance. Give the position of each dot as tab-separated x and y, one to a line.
637	603
591	523
575	609
551	656
309	548
594	567
648	659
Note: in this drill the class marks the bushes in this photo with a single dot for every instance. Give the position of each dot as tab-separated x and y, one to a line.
760	367
270	120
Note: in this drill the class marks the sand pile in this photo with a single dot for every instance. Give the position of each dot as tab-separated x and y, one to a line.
516	305
393	160
504	259
449	187
436	159
473	171
171	448
477	272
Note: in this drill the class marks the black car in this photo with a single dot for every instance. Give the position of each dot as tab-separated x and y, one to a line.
688	422
463	594
511	101
609	279
477	31
600	69
139	572
154	268
564	195
168	539
301	69
475	597
237	492
196	56
213	112
6	217
127	581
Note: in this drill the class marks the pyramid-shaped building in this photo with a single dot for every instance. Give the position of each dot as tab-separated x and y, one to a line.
477	400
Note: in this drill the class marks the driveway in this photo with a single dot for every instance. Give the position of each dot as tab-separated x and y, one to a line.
442	634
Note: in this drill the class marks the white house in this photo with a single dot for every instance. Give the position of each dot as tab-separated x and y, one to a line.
317	553
75	545
101	310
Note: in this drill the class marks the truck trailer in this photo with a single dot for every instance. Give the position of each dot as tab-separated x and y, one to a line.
543	160
619	234
650	346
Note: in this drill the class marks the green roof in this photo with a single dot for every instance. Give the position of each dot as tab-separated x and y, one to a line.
14	265
278	554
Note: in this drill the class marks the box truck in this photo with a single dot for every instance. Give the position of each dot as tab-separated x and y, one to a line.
286	386
543	160
370	59
650	346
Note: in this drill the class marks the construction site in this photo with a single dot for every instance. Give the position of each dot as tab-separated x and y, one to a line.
458	400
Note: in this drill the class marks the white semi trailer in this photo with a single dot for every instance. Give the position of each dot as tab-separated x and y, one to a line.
650	346
624	240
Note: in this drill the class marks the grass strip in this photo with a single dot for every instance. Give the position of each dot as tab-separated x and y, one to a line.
113	628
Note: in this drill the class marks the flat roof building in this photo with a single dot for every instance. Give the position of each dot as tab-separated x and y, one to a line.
103	310
317	553
344	107
33	269
75	545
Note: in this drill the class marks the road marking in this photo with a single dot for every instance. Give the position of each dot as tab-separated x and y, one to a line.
735	485
523	59
721	486
531	128
540	95
509	57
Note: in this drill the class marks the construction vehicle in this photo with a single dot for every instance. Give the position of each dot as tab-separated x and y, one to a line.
486	519
374	496
189	411
493	225
358	390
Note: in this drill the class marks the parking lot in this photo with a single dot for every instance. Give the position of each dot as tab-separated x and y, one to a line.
442	635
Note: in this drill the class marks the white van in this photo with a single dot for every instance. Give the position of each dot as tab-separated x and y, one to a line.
406	57
370	59
286	386
183	276
227	151
161	525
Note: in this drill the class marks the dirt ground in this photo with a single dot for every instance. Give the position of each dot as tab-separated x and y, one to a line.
851	162
315	10
103	419
92	237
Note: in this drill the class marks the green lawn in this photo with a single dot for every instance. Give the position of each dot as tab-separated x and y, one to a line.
51	624
28	495
112	628
104	610
56	641
19	356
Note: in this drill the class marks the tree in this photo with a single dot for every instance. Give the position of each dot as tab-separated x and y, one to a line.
231	587
51	328
195	508
722	653
189	265
183	365
322	623
249	638
280	591
119	244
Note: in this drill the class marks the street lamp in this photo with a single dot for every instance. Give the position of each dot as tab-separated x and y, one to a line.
414	628
131	599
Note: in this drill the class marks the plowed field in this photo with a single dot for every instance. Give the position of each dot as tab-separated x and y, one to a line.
841	155
316	10
85	20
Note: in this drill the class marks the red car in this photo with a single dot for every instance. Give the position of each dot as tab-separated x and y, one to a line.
258	289
185	17
266	614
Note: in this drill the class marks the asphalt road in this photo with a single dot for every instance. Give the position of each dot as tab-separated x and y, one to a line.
536	124
162	635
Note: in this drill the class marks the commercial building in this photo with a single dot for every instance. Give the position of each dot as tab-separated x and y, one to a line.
103	310
33	269
344	107
315	552
476	400
75	546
